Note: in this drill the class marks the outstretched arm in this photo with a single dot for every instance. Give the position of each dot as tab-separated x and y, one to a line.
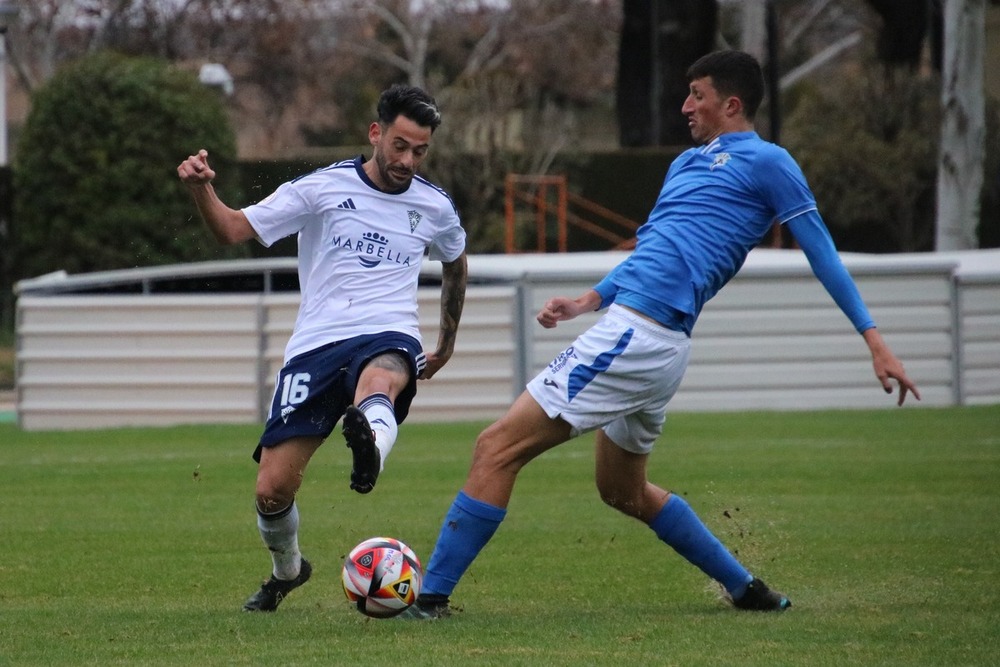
887	366
814	239
454	276
228	225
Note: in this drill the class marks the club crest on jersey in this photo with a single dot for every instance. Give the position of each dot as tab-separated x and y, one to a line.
720	161
374	244
415	219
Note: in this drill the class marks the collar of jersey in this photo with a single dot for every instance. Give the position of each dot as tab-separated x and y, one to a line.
726	139
358	162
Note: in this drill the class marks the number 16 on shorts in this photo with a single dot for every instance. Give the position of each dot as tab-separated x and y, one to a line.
294	388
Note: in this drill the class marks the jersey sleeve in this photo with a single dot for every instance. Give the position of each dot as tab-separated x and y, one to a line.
783	185
607	289
282	213
448	244
814	239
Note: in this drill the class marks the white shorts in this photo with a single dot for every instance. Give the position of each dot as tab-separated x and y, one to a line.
619	374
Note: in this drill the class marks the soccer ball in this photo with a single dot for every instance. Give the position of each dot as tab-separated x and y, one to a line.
382	577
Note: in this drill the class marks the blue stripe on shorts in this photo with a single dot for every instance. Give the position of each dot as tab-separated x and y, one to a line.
584	374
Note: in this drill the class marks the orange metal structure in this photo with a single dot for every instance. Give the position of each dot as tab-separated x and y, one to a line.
548	197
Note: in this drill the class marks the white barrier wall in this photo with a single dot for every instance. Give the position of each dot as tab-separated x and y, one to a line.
771	340
979	348
96	361
774	340
93	361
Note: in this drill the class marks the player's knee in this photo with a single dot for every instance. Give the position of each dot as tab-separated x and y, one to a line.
273	496
609	496
486	453
493	452
387	373
270	504
620	499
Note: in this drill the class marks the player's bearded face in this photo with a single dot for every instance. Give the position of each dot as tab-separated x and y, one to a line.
400	148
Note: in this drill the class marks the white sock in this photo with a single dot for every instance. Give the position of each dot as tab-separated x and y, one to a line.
280	533
381	416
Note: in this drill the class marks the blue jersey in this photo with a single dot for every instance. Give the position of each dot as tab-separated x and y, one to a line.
717	203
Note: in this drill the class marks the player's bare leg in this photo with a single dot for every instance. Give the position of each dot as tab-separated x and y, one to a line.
507	445
279	477
621	480
622	483
501	451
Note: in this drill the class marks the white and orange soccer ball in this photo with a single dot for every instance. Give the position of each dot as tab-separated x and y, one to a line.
382	577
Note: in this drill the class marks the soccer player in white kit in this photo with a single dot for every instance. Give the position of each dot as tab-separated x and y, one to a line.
717	202
363	228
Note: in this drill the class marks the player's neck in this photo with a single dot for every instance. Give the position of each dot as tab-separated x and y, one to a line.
731	128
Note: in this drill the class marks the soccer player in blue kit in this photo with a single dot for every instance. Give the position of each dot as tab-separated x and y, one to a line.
363	227
717	203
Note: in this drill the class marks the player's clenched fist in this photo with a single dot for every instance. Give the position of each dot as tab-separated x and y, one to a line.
195	169
560	308
554	311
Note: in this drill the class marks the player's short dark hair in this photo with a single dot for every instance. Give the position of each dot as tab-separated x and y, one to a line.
733	73
410	101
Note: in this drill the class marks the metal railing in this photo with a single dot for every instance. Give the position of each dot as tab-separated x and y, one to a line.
548	198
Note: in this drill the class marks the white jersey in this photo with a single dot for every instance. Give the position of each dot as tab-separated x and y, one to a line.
360	250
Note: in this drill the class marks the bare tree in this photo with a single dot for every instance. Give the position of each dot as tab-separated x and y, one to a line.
753	27
50	32
963	130
47	33
404	42
511	78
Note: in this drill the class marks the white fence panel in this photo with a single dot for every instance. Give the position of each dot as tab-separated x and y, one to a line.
88	361
980	338
772	339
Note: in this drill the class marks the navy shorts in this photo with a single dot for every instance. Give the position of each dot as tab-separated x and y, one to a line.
315	388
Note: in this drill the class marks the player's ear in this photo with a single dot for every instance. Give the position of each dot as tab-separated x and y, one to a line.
374	133
734	106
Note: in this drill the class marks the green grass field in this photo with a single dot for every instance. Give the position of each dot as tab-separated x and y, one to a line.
138	547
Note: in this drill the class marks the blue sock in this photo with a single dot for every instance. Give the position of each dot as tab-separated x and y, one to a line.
467	527
680	527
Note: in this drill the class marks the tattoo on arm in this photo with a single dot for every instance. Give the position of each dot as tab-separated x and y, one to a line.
454	276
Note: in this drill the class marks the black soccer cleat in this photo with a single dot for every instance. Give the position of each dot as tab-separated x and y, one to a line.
428	607
273	591
361	440
759	597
